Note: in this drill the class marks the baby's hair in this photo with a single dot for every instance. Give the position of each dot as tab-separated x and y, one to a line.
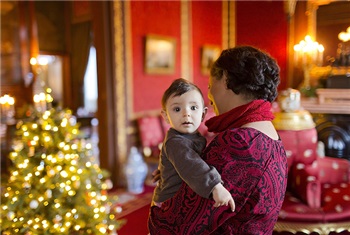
177	88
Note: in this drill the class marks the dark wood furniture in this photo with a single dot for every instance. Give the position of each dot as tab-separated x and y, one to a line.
331	113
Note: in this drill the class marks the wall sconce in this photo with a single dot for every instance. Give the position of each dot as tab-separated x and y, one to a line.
308	53
7	107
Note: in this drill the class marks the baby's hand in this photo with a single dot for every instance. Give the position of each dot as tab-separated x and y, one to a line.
223	197
155	175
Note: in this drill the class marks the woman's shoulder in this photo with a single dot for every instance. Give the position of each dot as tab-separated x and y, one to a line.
253	130
265	127
244	136
243	142
238	131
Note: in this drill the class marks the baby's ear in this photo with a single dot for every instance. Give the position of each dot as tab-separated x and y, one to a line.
205	110
165	116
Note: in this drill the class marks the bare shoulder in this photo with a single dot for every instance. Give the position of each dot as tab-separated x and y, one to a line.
265	127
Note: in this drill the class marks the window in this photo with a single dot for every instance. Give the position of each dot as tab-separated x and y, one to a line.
90	83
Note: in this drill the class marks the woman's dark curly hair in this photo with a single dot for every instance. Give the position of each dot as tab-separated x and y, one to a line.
249	71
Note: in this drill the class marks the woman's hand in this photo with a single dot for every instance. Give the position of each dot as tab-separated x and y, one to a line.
155	175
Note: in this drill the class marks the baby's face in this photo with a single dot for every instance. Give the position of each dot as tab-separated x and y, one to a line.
185	113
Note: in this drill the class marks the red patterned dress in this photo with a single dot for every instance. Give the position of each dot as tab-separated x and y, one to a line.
253	168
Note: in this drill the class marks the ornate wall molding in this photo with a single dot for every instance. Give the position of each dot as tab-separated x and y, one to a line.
225	24
186	40
228	24
128	59
322	229
120	77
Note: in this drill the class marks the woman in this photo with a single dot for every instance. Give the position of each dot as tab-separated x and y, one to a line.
247	152
183	109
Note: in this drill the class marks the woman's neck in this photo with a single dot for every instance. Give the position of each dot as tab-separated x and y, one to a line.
255	111
234	102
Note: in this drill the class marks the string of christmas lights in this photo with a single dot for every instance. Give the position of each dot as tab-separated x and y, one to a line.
55	184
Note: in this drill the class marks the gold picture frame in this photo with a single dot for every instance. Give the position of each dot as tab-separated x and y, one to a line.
209	54
159	54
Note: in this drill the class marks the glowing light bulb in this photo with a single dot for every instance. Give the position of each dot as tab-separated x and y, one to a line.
33	61
64	174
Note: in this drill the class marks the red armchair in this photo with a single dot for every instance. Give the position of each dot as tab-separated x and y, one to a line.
318	191
151	136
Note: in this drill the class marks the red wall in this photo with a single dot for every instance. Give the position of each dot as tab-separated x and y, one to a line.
159	18
259	23
206	30
264	24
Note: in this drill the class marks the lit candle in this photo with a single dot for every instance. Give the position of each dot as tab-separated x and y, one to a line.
4	104
36	99
309	53
297	52
314	53
42	101
11	112
7	106
320	52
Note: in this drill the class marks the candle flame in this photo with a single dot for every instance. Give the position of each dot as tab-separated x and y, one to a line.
6	99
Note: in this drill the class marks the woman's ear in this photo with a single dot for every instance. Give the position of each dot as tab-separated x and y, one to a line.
205	111
165	116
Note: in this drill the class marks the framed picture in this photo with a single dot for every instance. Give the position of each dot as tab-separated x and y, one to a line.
159	55
209	54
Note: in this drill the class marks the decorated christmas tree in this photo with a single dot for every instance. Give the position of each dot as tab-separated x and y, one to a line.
55	184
